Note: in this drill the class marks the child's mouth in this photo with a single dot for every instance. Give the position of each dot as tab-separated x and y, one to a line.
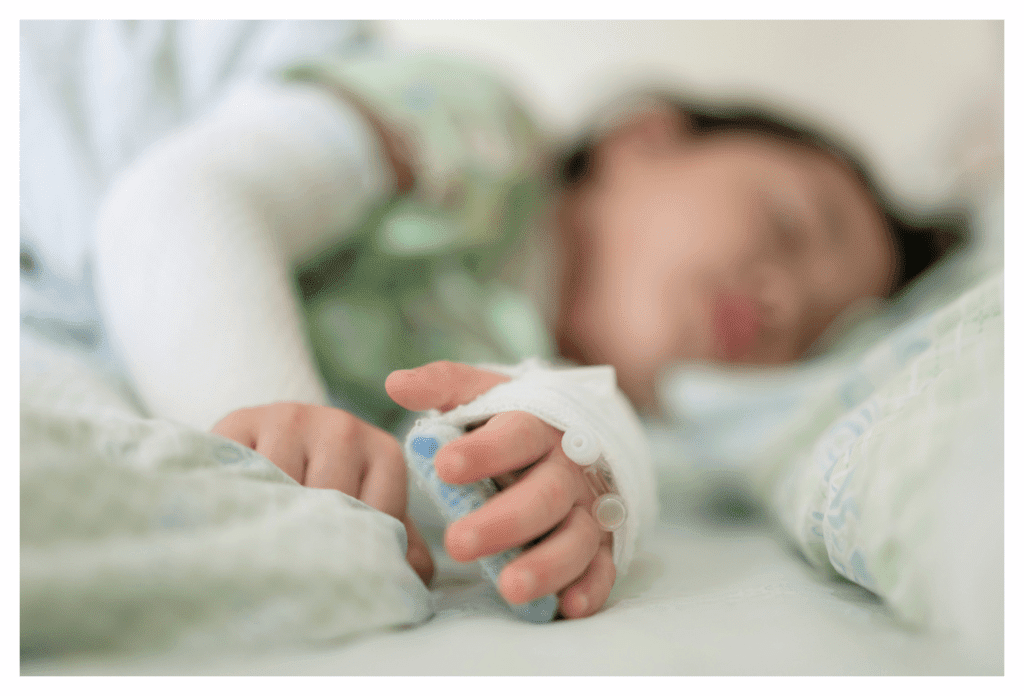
737	325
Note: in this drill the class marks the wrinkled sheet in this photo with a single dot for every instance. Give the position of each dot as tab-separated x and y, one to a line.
140	534
904	490
214	567
712	593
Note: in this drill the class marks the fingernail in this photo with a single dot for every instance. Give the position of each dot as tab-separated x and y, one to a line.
582	604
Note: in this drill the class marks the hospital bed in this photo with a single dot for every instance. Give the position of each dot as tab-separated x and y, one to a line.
151	548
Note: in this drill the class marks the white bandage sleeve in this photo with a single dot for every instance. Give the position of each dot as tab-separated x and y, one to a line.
198	240
585	398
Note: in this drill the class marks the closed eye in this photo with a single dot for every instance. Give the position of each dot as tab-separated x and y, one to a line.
789	233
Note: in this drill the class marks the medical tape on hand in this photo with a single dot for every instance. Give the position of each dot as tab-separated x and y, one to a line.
580	403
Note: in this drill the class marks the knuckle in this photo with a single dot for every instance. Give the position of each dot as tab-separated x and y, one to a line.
519	425
442	369
555	491
226	424
346	426
339	426
241	415
287	413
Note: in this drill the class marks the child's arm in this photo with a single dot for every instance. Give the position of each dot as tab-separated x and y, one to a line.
544	493
197	242
323	447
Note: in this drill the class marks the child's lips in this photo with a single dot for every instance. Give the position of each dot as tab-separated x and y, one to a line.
737	325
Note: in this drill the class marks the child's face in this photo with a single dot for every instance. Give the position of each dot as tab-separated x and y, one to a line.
725	248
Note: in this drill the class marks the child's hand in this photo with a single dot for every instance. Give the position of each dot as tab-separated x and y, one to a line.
324	447
546	494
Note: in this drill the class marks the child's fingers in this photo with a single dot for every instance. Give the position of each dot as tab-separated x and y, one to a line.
588	594
442	385
384	486
530	508
418	555
285	449
335	454
555	562
238	426
507	442
336	468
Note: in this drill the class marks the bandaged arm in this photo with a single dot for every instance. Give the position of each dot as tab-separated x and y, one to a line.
584	398
197	242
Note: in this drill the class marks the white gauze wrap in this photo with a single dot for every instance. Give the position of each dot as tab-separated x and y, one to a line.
586	398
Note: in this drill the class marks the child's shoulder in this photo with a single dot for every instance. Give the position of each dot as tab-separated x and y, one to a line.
469	142
456	109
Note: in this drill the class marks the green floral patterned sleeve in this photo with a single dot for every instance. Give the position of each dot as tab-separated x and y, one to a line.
428	275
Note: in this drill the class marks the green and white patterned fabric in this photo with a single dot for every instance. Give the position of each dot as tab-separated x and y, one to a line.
881	459
870	498
437	273
140	534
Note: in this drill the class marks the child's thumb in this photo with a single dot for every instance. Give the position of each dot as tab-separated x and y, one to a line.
442	385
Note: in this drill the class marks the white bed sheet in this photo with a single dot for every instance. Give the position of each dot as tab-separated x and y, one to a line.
707	597
717	589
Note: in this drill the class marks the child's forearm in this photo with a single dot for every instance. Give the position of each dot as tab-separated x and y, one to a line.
197	242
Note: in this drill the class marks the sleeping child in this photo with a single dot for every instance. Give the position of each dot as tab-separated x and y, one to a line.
317	257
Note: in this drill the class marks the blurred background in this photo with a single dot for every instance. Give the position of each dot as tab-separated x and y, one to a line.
921	99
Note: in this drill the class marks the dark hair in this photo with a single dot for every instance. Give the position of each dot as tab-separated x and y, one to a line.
920	240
